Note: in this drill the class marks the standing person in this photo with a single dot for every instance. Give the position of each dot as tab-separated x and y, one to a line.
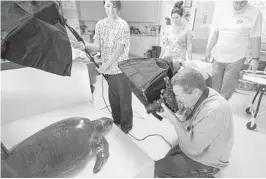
111	38
204	128
239	29
177	40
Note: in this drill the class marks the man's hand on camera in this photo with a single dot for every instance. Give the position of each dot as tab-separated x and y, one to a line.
166	113
181	108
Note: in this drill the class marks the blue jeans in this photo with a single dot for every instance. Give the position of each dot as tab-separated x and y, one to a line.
177	165
225	77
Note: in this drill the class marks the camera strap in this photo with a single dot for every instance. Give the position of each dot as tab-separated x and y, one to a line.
203	96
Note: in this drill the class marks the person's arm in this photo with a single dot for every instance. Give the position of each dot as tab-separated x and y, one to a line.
213	41
123	40
255	46
118	51
164	39
162	52
195	140
255	35
96	46
189	44
255	38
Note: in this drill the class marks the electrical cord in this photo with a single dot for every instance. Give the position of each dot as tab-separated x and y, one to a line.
79	38
151	135
104	98
140	117
107	106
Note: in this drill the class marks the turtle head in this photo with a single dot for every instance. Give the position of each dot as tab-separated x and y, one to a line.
103	124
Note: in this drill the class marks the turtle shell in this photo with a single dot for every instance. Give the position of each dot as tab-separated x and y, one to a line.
54	150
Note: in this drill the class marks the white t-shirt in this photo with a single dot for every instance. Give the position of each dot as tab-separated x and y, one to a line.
235	31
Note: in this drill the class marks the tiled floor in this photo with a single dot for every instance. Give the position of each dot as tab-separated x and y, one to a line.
249	153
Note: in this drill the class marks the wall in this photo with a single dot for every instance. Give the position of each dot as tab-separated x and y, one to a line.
142	18
203	19
140	11
142	14
70	12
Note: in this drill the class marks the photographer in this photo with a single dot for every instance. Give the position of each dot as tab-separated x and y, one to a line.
205	129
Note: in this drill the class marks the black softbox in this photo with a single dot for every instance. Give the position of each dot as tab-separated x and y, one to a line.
146	76
34	35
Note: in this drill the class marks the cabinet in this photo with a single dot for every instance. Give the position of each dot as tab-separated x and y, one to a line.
140	44
140	11
90	10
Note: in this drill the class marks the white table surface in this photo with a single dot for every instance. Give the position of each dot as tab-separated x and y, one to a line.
126	158
33	99
255	78
27	91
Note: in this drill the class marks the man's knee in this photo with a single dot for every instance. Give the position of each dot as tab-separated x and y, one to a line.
160	169
227	93
230	83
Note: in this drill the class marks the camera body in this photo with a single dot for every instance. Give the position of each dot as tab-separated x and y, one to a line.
167	97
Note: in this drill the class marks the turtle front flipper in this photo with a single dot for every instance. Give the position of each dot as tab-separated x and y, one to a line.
102	152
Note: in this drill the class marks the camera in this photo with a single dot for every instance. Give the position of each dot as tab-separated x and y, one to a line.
167	97
147	78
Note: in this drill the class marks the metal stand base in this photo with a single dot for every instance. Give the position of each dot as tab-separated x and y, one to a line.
251	125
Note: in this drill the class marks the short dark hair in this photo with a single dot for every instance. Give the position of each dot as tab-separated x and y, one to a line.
189	79
178	9
116	3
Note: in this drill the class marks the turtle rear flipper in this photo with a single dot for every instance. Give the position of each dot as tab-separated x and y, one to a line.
102	152
6	170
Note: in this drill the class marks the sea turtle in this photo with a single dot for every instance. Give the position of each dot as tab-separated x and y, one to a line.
60	148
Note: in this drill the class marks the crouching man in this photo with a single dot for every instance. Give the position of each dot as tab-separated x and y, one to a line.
204	128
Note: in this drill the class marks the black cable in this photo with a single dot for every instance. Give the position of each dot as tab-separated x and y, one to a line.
140	117
151	135
79	38
104	98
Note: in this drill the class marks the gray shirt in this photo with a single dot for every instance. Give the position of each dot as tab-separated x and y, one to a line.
211	134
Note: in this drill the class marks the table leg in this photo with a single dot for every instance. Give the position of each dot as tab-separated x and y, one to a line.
258	105
255	96
252	125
